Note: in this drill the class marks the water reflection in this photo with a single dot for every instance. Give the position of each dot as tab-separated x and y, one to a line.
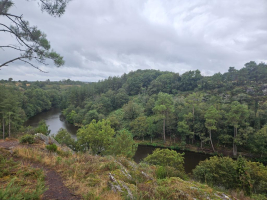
54	120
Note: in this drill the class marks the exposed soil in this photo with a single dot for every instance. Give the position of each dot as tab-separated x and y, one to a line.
56	188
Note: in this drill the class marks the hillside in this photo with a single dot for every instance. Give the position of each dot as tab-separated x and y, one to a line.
94	177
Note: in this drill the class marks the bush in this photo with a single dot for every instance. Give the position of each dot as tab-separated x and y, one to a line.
241	174
64	137
27	138
43	128
217	171
51	147
170	163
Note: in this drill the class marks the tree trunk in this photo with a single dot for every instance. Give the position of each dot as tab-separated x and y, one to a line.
3	128
151	139
201	144
234	145
211	141
193	124
164	138
9	125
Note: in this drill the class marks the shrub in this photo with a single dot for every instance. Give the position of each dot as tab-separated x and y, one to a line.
170	161
123	144
64	137
43	128
241	174
27	138
217	171
51	147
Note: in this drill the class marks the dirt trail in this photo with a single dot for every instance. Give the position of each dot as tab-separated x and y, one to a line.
56	188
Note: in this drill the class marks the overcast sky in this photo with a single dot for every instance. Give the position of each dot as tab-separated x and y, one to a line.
102	38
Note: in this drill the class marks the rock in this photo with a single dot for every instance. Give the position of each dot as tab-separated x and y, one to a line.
148	177
50	140
115	186
46	139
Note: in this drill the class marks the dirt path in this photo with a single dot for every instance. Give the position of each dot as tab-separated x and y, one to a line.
56	188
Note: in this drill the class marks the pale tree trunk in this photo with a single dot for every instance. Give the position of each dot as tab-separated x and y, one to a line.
211	141
201	146
9	125
164	137
3	128
193	124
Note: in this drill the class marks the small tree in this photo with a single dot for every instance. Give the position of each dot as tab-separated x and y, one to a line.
64	137
97	136
139	126
166	157
123	144
43	128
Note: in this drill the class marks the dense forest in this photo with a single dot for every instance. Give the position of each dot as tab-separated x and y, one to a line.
223	110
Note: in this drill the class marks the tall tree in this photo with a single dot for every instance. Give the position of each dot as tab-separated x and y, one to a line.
212	116
237	116
164	106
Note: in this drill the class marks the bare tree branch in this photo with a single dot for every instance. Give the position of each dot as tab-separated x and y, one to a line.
9	46
5	64
33	66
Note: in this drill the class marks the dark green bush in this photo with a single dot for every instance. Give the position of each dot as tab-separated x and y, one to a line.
251	177
217	171
27	138
51	147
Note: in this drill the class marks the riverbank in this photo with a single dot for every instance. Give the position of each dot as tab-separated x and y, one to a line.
220	151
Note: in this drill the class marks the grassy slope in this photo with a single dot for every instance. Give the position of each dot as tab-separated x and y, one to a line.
89	176
19	181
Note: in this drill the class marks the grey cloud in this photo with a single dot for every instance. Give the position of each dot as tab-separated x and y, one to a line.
100	39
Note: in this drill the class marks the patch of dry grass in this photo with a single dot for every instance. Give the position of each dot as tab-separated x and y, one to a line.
88	176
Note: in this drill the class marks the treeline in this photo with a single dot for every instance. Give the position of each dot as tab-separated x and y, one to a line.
221	110
18	102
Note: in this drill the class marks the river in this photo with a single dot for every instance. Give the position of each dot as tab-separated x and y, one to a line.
55	121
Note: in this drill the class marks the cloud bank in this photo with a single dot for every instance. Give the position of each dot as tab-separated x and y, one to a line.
101	38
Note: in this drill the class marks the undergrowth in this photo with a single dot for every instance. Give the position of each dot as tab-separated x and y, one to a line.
88	176
18	181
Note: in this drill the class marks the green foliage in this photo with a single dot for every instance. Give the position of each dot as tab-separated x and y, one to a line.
140	126
259	143
166	157
64	137
43	128
217	171
123	144
27	138
96	136
51	147
241	174
20	182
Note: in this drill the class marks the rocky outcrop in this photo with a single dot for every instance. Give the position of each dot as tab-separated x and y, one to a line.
50	140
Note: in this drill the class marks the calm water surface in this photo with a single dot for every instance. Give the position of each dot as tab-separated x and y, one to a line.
55	121
191	159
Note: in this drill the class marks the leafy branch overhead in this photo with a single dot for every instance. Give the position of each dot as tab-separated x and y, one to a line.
30	42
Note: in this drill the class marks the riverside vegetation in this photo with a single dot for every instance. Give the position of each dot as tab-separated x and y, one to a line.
224	111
